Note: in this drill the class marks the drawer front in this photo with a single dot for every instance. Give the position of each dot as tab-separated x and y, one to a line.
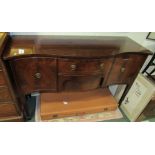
4	95
125	69
2	79
81	66
8	110
35	74
79	83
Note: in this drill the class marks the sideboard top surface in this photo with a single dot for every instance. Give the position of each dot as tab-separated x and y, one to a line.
71	46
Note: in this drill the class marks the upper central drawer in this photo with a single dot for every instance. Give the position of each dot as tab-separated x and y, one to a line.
81	66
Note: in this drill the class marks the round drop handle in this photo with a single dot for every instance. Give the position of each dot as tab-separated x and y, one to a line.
102	66
38	75
122	69
73	67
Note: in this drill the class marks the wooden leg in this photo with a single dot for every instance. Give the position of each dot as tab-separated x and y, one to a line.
124	93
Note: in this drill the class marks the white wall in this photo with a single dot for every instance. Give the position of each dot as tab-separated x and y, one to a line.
140	37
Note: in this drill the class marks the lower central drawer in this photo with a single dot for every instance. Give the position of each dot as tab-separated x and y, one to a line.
79	83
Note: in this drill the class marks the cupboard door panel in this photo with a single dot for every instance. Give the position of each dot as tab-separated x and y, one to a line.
47	69
24	70
125	68
35	74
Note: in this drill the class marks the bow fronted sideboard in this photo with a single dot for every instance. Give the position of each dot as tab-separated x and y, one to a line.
69	63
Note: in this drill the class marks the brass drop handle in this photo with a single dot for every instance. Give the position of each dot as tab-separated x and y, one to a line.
38	75
102	66
122	69
73	67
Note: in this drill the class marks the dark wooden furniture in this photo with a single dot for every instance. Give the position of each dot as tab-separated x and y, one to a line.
71	63
9	109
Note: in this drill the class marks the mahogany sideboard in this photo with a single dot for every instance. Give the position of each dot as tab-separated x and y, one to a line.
68	63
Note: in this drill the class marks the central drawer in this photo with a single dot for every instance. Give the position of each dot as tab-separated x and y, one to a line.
81	66
82	74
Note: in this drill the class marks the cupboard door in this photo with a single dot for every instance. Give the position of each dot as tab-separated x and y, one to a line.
46	74
35	74
125	69
23	71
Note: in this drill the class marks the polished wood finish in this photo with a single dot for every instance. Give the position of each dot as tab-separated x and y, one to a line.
9	110
71	46
83	66
82	74
125	68
3	41
52	74
2	78
68	63
38	74
73	63
57	105
79	83
4	95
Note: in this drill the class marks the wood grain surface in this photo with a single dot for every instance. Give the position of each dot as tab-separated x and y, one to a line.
71	46
57	105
